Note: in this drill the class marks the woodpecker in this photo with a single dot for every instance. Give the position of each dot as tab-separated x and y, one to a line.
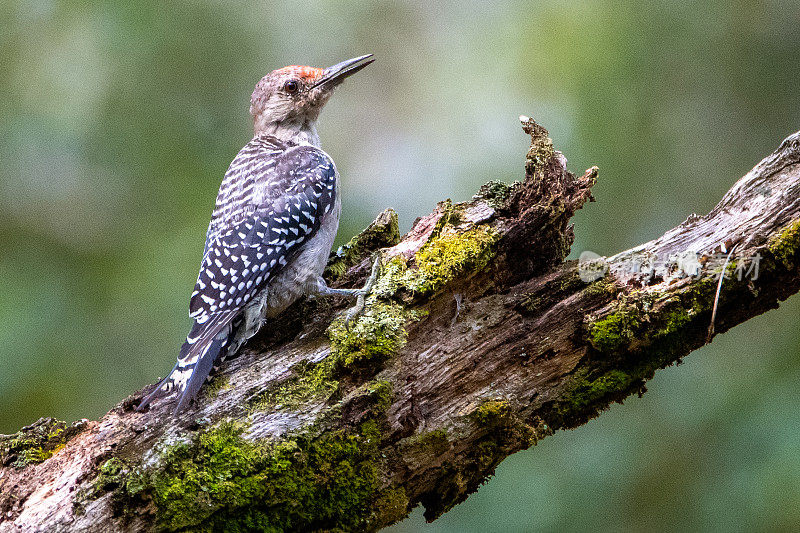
272	228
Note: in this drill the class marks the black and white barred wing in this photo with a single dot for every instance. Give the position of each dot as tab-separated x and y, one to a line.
281	212
251	170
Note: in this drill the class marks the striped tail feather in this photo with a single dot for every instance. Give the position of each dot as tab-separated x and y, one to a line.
204	346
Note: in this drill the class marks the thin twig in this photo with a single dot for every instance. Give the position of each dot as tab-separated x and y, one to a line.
716	297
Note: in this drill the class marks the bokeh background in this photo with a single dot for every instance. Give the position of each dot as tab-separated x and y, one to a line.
118	119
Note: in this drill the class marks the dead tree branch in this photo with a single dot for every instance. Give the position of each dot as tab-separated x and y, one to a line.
478	340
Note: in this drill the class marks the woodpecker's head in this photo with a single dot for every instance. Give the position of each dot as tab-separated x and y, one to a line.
286	102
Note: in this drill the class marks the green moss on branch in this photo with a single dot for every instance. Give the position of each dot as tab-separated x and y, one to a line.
311	381
786	245
493	413
425	448
495	193
36	443
221	480
372	338
583	393
640	318
452	254
381	233
642	331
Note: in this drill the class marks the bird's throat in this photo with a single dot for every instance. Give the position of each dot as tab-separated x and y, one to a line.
299	132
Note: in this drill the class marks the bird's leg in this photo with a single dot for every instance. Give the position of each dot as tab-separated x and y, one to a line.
322	289
254	317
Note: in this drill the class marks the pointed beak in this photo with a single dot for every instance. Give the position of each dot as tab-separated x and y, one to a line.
334	75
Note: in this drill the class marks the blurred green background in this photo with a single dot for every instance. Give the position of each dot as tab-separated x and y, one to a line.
119	118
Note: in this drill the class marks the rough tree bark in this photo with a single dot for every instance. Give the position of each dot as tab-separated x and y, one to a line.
478	340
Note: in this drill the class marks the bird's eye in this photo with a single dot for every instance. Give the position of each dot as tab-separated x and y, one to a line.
291	86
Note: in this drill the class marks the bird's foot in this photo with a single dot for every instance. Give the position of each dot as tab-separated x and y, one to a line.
322	289
361	294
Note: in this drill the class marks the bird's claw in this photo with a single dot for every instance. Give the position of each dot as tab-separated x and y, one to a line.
353	312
